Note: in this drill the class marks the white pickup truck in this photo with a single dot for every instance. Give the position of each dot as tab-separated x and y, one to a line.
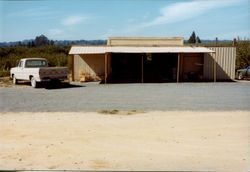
36	70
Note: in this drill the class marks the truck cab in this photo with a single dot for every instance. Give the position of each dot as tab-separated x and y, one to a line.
26	66
243	73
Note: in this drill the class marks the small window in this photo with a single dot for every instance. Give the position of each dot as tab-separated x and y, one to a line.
20	64
36	63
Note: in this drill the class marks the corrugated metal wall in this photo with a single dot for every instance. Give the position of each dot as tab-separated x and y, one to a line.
88	63
225	63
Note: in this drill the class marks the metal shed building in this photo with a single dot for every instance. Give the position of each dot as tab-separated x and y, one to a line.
149	59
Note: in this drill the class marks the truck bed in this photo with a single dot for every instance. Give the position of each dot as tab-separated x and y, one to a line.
53	73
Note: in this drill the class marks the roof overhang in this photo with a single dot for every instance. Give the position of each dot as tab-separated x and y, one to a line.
126	49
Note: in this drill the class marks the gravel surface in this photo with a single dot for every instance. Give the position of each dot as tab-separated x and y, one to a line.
96	97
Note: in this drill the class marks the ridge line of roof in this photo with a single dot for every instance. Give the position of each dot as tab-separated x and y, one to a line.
134	46
143	38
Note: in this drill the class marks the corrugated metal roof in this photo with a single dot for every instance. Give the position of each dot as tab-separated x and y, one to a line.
124	49
87	50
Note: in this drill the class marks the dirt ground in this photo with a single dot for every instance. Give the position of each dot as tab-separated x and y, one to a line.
5	82
173	140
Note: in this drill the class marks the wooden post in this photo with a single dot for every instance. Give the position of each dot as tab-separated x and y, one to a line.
178	69
106	68
72	68
142	70
215	68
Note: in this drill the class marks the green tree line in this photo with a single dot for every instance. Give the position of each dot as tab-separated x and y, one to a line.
242	54
58	55
9	56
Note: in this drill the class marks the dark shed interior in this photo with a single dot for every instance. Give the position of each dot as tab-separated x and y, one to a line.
160	67
141	67
126	67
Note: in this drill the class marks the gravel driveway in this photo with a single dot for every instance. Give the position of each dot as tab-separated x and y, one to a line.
95	97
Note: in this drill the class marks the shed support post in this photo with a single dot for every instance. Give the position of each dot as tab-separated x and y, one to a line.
178	69
72	67
215	68
106	67
142	69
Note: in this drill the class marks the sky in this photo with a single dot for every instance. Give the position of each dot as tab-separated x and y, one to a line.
100	19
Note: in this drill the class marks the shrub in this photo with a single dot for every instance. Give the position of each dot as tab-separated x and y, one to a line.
9	56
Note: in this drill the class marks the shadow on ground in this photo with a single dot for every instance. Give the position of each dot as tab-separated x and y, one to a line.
50	85
58	85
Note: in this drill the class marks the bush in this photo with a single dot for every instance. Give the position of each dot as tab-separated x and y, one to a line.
9	56
243	54
4	73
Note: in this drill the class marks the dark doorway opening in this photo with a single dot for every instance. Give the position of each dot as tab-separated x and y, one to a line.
192	67
141	67
160	67
126	68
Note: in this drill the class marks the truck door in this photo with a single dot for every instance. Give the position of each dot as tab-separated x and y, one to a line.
18	72
248	71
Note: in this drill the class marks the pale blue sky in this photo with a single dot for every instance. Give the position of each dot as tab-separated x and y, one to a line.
99	19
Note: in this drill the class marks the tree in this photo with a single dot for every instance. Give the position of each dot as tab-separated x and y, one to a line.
192	38
198	39
242	53
29	44
234	42
51	42
32	44
41	40
19	43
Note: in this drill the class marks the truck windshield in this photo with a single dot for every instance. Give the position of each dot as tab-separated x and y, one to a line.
36	63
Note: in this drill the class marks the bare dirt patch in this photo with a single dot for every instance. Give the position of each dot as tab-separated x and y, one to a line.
99	164
172	141
5	82
120	112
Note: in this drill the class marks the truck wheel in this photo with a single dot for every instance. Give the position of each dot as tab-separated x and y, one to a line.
240	76
34	83
14	80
